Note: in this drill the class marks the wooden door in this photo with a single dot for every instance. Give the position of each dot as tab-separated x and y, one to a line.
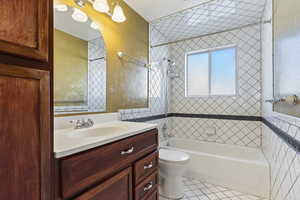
119	187
25	134
25	27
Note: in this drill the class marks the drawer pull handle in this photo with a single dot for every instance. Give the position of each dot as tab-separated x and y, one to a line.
148	187
129	151
148	166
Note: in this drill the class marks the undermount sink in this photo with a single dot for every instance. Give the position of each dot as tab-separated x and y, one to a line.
96	132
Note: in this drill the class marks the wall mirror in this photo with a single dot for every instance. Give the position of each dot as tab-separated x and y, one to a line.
286	32
79	64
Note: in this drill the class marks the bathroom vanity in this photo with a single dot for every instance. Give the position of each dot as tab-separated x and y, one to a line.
120	163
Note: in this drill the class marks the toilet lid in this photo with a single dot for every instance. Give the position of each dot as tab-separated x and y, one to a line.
173	156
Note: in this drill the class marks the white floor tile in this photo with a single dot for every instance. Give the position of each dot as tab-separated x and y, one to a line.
198	190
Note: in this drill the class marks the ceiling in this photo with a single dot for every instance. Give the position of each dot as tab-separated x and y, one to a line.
154	9
64	22
210	17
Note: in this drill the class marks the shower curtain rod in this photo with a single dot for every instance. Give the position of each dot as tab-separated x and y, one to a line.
194	37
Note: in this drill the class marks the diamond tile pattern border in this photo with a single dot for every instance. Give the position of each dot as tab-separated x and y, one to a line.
235	132
199	190
248	100
283	160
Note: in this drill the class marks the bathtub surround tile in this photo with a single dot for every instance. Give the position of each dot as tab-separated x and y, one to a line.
235	132
282	133
279	139
199	190
287	132
248	100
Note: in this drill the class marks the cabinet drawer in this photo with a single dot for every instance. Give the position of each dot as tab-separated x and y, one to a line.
145	167
118	187
80	171
147	187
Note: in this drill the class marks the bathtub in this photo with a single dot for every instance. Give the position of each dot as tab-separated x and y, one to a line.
240	168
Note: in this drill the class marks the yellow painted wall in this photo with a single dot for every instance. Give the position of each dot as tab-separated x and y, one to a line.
70	69
127	83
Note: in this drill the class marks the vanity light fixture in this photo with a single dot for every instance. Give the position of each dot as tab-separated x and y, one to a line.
80	3
94	25
79	15
118	14
101	6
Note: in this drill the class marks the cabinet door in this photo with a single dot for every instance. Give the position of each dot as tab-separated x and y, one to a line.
25	136
24	28
119	187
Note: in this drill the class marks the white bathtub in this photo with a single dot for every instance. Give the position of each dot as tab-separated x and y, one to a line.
239	168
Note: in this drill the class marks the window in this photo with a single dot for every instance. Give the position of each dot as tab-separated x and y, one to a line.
211	73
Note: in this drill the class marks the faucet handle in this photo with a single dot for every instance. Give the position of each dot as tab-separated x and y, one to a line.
73	121
90	122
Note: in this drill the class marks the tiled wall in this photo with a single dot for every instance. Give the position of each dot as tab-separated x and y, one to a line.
244	133
247	102
235	132
284	161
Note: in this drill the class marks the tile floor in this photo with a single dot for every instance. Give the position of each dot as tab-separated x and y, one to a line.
198	190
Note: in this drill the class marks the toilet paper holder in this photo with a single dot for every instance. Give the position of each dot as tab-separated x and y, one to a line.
292	100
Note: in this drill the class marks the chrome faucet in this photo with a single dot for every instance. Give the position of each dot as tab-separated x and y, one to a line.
82	123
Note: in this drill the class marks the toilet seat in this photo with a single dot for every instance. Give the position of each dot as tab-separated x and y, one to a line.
172	156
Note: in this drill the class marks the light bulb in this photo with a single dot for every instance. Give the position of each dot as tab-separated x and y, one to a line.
79	16
61	7
94	25
118	14
101	6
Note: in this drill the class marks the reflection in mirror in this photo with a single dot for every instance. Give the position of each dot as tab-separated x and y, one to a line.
79	65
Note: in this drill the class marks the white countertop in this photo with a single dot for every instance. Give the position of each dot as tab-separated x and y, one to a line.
70	141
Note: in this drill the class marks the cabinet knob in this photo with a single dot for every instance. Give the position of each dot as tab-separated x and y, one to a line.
148	166
128	151
148	187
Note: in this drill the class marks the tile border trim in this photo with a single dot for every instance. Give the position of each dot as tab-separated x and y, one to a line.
209	116
145	119
289	140
206	116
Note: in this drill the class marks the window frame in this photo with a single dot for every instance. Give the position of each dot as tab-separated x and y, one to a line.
209	52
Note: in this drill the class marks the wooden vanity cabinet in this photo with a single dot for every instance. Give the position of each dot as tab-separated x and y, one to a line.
121	170
26	113
117	187
26	29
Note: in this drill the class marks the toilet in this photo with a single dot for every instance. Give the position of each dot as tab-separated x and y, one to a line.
172	165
